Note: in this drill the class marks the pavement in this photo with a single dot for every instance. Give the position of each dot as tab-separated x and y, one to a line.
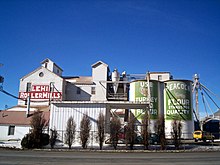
186	146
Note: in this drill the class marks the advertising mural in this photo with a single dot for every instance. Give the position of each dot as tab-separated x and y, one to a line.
178	103
41	92
141	95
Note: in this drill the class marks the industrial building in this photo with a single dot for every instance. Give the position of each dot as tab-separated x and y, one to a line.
111	93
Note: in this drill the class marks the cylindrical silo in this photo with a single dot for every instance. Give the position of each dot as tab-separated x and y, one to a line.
178	106
139	93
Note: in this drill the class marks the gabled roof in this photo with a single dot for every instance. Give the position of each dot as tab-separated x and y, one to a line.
38	70
19	117
99	63
47	60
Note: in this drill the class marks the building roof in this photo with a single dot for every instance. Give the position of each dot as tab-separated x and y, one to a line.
80	80
99	63
39	68
19	117
47	60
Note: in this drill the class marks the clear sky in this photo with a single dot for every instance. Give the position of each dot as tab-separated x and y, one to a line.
182	37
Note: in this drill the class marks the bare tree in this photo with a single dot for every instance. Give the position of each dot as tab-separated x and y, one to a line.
176	133
145	133
130	131
101	129
161	132
38	124
70	132
85	127
53	137
115	126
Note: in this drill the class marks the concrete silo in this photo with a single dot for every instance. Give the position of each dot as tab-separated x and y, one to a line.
139	93
178	105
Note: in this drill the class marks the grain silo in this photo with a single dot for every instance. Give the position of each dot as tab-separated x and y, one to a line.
139	93
178	105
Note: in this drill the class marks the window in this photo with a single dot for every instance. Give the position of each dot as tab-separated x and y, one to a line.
45	64
28	88
93	90
78	90
41	74
159	77
11	130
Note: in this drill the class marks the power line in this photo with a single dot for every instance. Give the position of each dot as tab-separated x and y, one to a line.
9	94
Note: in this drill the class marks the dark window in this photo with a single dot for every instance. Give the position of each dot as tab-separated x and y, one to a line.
93	90
78	90
160	77
41	74
11	130
28	88
46	65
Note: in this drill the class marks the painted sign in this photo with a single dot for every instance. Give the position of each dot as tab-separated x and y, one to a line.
40	92
178	103
141	95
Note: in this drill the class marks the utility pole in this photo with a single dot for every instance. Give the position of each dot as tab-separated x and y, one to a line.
1	78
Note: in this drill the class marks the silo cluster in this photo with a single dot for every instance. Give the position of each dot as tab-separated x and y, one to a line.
171	100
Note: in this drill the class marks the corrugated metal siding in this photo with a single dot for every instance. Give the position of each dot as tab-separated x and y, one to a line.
60	113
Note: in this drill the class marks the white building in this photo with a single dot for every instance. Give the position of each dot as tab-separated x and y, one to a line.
14	122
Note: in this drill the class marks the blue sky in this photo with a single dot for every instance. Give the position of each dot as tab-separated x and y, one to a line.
137	36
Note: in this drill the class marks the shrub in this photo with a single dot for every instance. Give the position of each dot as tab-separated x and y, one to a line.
29	142
53	137
45	139
85	127
101	129
70	132
115	126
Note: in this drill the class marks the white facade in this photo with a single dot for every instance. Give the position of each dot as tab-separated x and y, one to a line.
160	76
42	86
19	132
78	88
50	65
61	112
100	76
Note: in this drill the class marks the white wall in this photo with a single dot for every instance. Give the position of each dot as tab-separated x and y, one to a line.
50	65
71	92
35	79
60	113
19	133
157	76
100	73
